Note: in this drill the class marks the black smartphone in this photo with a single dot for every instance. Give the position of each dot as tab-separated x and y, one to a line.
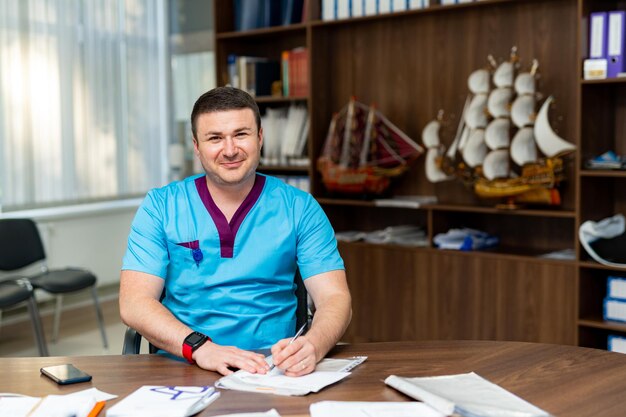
65	374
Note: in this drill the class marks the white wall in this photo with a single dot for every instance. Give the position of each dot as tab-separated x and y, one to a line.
90	236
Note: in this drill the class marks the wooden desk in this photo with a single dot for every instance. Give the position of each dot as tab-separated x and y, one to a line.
563	380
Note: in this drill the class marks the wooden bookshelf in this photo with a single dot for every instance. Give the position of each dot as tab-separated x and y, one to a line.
411	64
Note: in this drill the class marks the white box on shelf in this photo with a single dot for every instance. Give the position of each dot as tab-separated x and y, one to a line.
595	69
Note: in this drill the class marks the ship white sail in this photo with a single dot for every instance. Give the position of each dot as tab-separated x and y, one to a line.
430	139
430	134
499	102
523	149
497	133
476	114
478	82
525	82
523	110
475	149
549	143
503	75
496	164
434	173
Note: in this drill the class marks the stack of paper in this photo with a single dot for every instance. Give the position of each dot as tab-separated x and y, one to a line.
327	372
466	395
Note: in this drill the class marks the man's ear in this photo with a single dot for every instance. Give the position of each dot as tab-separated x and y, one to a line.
260	137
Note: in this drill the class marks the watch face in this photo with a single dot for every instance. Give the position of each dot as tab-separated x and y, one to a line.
194	338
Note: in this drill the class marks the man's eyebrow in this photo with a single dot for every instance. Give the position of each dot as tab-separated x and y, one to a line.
217	133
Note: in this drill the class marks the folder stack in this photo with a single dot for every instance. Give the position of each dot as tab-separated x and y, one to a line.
607	38
345	9
615	301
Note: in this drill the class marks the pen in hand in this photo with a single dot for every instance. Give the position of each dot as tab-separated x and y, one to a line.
293	339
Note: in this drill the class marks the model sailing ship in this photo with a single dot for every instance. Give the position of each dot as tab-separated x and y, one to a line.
364	151
498	125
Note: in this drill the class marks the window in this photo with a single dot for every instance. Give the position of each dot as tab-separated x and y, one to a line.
83	100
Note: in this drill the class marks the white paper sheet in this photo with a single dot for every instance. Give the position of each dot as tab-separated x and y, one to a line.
269	413
76	404
277	383
164	401
465	394
369	409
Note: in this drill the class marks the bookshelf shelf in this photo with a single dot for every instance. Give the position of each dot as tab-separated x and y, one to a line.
603	173
412	64
506	212
620	80
284	169
595	265
600	323
280	99
263	32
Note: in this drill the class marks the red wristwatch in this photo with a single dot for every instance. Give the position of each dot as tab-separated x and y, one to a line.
193	342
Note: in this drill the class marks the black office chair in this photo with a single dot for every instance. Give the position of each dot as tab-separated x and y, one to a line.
21	246
132	338
16	291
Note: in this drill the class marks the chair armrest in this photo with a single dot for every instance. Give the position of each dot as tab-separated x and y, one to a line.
132	342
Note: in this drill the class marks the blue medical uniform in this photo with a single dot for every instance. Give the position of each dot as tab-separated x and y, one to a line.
232	281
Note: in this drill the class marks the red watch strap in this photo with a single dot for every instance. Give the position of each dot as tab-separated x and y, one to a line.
187	352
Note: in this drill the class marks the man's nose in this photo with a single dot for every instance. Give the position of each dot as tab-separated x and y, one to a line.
229	146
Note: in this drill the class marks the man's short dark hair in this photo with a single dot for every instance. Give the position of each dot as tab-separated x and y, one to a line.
223	99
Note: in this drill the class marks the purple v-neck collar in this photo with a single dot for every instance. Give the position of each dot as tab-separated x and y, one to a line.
228	231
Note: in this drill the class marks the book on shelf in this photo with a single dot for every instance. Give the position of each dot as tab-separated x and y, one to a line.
253	74
285	133
292	11
257	14
295	72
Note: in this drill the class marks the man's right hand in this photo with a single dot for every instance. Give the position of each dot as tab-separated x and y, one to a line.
214	357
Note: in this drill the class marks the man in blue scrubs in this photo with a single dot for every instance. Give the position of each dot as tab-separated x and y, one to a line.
225	247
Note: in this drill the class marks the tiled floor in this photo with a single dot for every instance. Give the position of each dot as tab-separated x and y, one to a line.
79	334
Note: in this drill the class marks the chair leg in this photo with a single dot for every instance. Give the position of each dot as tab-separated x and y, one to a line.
100	317
35	319
57	318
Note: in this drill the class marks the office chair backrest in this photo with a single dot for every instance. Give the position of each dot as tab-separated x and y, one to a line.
302	308
20	244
